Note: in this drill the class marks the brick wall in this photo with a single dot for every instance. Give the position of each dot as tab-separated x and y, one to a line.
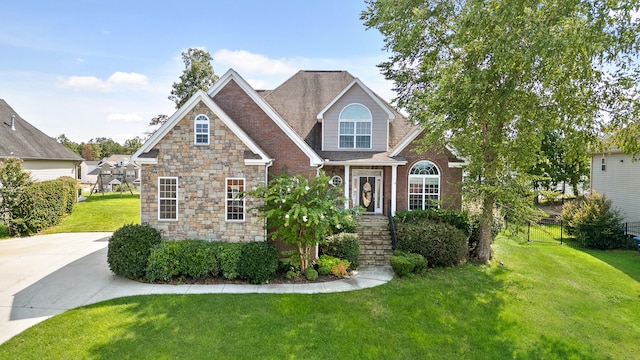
450	178
201	172
261	128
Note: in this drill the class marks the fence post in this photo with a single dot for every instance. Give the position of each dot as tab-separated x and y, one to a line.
528	230
561	228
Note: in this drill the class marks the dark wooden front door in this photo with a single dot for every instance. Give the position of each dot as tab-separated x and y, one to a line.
368	193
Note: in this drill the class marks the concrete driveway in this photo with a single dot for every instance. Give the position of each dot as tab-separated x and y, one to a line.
42	276
45	275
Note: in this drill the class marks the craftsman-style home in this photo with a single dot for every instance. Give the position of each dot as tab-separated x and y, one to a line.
228	139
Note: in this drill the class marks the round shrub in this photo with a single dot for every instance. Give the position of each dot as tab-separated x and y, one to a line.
129	249
595	223
324	270
188	258
441	244
418	261
311	274
401	265
344	246
258	262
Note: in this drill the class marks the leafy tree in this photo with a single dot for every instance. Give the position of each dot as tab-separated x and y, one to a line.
73	146
90	152
131	145
300	212
108	146
491	77
561	160
13	180
197	75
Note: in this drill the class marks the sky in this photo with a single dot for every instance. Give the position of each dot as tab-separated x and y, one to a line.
104	68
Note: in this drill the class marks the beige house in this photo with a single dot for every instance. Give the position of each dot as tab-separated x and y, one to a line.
41	155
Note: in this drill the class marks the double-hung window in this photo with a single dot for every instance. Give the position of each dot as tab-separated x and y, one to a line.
201	132
168	198
355	127
234	207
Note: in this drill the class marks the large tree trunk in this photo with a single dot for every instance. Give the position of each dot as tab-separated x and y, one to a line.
482	252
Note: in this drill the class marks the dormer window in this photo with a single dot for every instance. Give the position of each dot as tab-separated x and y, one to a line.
355	127
201	133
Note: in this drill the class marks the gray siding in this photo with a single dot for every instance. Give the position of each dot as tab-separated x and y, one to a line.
379	128
620	183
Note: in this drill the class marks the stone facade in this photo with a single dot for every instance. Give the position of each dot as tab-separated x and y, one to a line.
202	171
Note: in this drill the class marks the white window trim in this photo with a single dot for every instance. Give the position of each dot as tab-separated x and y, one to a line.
439	177
226	201
355	131
161	198
199	119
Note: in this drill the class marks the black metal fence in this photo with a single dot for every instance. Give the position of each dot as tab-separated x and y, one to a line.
552	230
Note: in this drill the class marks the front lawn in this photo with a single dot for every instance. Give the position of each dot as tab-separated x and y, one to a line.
107	212
543	302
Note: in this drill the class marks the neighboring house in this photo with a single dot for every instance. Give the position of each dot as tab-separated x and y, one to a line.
115	170
614	175
88	173
41	155
226	140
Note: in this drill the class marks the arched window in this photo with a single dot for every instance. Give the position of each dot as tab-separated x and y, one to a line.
201	132
355	127
424	186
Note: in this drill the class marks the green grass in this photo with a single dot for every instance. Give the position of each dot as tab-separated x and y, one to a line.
99	212
545	302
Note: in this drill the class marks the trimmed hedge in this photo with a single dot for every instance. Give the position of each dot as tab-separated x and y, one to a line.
129	250
228	255
42	205
344	246
258	262
188	258
441	244
404	263
459	219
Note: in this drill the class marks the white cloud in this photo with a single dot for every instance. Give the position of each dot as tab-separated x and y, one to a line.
92	83
84	83
128	78
126	118
246	62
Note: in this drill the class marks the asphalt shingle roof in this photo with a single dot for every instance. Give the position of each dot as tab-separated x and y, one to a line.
26	141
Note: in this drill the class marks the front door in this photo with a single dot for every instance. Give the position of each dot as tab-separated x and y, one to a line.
367	190
368	193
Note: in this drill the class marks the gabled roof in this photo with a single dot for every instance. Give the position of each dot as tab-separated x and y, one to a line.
146	154
376	99
232	75
308	93
27	142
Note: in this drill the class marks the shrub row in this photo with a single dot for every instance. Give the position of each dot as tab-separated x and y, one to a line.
440	243
42	204
136	252
344	246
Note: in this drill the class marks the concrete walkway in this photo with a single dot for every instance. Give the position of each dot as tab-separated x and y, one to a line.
42	276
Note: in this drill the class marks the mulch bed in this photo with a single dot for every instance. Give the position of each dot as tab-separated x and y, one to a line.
280	278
